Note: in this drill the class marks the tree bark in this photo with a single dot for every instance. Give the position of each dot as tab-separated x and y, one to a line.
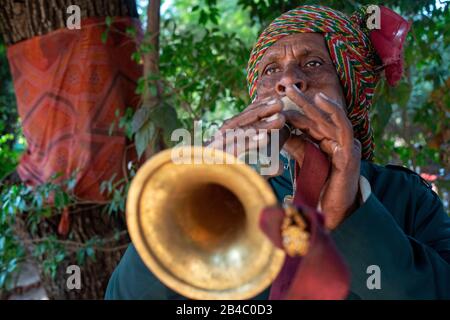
151	68
95	271
22	20
151	60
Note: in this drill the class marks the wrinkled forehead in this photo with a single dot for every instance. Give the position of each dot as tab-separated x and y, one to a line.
301	44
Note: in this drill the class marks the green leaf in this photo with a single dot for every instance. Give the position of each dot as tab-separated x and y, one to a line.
131	31
111	128
166	116
140	117
402	93
3	276
108	21
81	255
90	251
56	175
144	136
38	200
103	186
147	48
203	17
136	56
60	199
104	36
153	91
12	265
46	212
72	181
60	257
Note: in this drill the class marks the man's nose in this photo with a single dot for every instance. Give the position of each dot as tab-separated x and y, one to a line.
291	76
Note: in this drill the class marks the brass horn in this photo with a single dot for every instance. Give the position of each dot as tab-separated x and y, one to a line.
196	225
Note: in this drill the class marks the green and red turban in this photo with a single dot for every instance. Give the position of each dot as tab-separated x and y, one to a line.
358	55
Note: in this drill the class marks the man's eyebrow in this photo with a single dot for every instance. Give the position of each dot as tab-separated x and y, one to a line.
271	56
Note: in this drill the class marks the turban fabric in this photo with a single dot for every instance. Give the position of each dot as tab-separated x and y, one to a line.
354	54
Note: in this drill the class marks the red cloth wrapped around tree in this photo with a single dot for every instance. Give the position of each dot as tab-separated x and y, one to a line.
69	86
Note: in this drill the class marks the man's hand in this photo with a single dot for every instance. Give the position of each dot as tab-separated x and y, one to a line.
326	123
257	116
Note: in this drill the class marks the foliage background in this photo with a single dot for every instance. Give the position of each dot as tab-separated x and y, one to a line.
204	48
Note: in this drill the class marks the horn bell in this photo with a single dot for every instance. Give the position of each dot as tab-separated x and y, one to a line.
196	225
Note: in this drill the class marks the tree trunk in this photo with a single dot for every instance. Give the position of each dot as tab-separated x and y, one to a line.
95	271
22	20
151	68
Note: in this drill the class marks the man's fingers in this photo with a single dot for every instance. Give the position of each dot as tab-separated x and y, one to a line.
328	105
255	114
300	99
336	114
327	142
237	141
264	111
273	122
258	103
328	118
330	147
305	124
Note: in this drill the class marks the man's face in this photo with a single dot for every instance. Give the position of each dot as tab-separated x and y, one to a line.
303	60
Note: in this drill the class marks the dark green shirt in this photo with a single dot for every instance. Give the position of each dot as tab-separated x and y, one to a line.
401	228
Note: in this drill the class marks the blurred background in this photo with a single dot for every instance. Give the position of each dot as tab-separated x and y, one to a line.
196	71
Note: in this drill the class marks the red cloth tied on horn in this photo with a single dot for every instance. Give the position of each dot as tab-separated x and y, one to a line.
322	273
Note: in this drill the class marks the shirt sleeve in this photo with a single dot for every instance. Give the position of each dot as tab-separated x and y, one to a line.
132	280
408	242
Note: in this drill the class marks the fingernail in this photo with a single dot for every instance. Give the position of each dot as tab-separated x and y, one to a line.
273	101
259	136
327	98
297	89
271	118
324	96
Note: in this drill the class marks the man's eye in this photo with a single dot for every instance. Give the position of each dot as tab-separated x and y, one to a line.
314	63
271	70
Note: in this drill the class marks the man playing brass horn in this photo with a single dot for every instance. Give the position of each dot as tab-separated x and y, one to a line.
380	218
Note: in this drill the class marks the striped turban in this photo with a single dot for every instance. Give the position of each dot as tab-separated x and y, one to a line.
357	63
